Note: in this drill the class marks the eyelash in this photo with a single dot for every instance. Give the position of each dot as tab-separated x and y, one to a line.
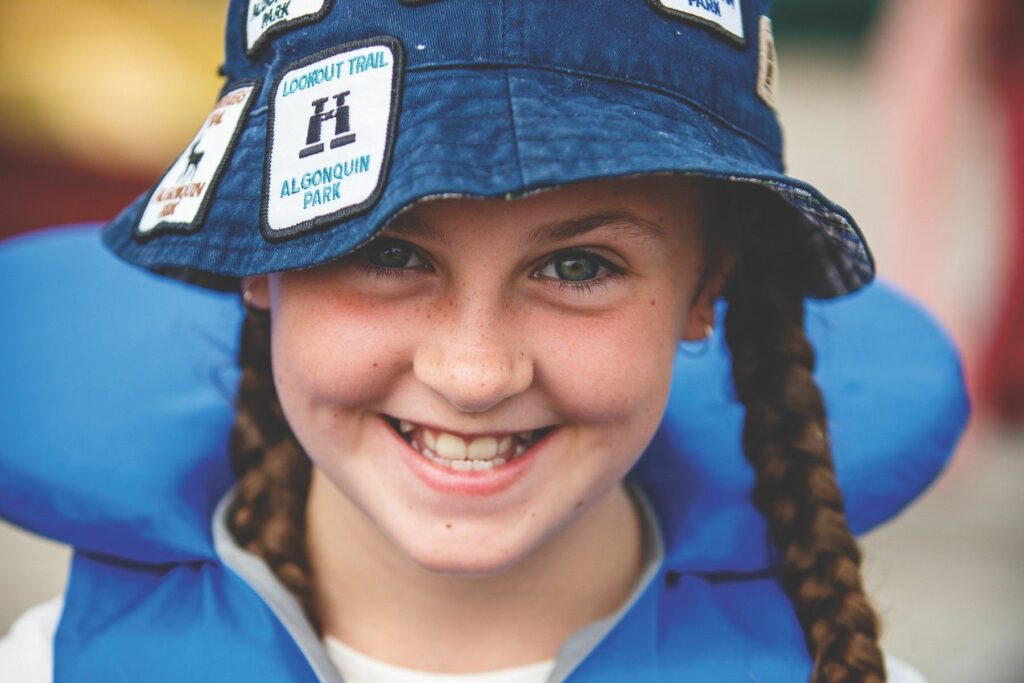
587	286
382	273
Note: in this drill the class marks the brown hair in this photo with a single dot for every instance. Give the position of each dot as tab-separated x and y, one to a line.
785	433
784	437
268	515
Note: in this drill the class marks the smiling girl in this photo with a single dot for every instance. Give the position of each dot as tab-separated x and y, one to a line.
506	364
469	237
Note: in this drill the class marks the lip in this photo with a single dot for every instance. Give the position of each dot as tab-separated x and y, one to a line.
473	483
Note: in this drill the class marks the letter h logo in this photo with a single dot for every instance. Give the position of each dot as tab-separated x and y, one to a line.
340	114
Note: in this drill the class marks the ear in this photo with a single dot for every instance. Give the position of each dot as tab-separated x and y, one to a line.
256	292
700	319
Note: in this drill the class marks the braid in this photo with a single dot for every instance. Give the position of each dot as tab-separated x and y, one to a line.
268	514
785	438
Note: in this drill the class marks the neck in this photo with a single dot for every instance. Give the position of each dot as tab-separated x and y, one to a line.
373	597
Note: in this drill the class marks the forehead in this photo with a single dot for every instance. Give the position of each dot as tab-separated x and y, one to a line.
643	207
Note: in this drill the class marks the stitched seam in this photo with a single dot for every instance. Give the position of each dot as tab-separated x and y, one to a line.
508	96
621	80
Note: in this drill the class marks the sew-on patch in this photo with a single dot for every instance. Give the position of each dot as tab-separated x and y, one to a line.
271	16
768	65
180	199
331	129
724	16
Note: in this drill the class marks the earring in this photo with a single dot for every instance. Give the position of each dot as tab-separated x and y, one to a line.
699	347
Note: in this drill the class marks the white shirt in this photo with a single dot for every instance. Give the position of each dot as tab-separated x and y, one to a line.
26	656
355	667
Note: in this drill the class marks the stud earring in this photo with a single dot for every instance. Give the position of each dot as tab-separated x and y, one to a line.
699	347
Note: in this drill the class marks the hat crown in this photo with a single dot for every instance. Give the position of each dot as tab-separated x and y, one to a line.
704	51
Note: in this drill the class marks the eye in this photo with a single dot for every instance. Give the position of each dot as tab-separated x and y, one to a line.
392	254
576	266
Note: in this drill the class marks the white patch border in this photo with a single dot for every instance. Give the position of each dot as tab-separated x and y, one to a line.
196	224
329	220
701	21
281	27
767	58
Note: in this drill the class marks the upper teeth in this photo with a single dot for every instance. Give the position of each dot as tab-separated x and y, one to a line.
455	447
452	447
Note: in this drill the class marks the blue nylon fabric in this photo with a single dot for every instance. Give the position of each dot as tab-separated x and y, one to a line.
699	630
104	367
530	95
190	621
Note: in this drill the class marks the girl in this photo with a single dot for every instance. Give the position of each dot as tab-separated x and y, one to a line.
469	237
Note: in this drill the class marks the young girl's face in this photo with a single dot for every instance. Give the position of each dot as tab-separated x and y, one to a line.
487	371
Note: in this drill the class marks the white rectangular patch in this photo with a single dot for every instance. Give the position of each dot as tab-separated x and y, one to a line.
723	14
179	200
332	125
266	16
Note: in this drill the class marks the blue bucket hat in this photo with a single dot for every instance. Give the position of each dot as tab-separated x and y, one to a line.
338	114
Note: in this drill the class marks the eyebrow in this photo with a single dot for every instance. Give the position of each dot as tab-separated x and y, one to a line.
621	221
556	231
408	226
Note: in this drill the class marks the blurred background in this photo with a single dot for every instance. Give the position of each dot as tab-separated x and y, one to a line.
908	112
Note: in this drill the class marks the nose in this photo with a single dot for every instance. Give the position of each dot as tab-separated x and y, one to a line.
475	358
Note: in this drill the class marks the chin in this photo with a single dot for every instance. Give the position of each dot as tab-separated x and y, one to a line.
463	553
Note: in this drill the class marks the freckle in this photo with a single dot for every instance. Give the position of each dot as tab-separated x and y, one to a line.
579	504
447	526
374	365
653	302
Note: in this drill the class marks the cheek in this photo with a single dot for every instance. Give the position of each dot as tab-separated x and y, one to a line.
334	356
613	369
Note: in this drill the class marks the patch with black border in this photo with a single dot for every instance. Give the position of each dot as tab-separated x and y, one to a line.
330	135
267	17
722	16
180	200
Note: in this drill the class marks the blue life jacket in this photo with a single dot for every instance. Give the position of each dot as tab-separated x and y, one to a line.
117	399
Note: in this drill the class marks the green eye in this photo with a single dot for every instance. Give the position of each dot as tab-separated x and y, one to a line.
392	254
577	267
574	266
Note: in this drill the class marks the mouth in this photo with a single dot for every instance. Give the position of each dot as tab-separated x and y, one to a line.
466	453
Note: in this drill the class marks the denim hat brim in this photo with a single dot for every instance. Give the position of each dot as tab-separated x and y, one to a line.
493	131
